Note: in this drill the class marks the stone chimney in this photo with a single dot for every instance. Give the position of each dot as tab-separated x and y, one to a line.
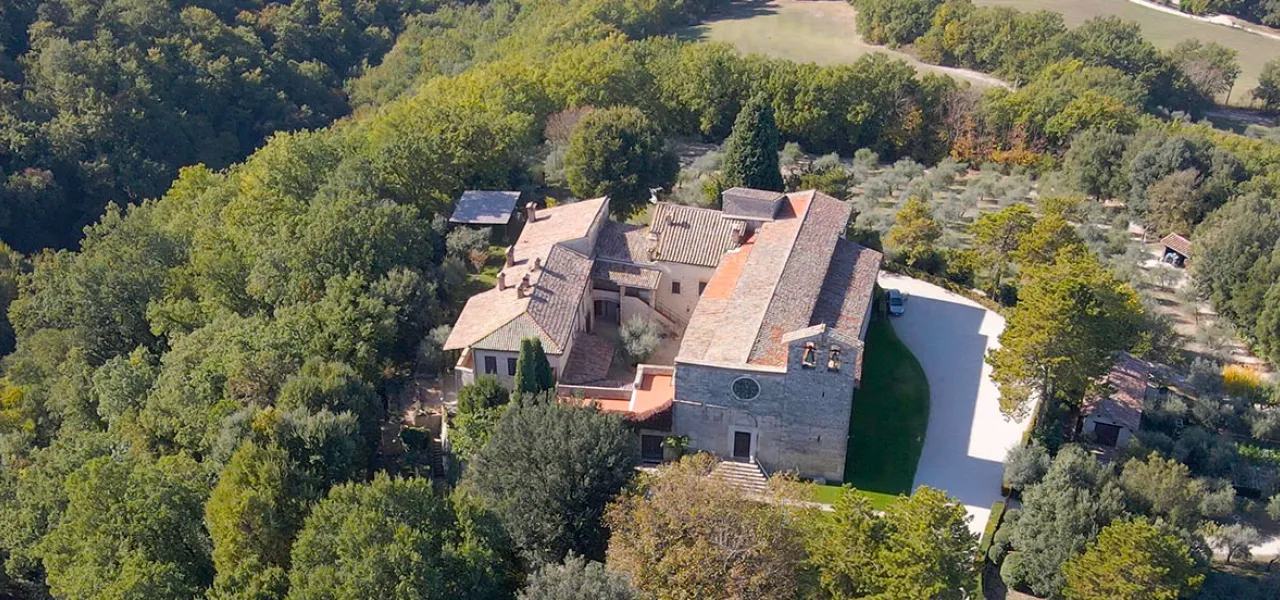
510	257
531	212
502	280
537	264
523	288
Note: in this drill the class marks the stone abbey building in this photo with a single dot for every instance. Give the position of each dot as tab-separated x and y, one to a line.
764	307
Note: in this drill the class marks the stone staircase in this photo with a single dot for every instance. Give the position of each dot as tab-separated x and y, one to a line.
747	477
437	458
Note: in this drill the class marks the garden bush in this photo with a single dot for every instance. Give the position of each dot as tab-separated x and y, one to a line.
639	337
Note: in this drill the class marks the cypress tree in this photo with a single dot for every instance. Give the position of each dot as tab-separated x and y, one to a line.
533	371
751	152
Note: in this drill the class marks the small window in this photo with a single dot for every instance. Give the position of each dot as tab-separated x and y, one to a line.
491	365
675	287
833	363
511	367
702	287
810	358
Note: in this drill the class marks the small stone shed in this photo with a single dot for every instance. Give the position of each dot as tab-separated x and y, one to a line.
1177	250
1113	414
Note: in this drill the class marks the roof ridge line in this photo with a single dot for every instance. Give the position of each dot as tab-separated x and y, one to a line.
773	293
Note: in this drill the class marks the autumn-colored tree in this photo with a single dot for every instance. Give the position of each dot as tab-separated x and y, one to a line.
682	534
1176	204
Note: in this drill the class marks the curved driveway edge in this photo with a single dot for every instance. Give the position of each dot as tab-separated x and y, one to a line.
967	437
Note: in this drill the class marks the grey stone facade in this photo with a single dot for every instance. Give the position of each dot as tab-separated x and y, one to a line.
799	421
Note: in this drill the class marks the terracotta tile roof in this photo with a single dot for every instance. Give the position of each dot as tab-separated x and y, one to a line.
847	290
588	362
624	242
751	204
1126	393
484	314
508	337
626	274
723	328
1178	244
691	235
800	284
558	293
483	207
494	309
795	273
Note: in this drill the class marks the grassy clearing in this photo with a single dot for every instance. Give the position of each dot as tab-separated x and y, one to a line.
822	31
486	278
1164	30
817	31
828	494
890	416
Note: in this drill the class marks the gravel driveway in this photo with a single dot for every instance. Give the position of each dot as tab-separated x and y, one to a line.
967	437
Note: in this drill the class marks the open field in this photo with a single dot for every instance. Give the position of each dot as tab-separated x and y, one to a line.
1164	30
817	31
822	31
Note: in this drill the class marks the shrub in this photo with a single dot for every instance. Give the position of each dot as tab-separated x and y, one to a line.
463	241
485	393
577	579
1024	466
1264	424
1012	571
1205	376
1240	381
989	532
1000	544
1273	507
639	337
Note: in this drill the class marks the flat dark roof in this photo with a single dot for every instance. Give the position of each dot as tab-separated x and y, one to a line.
484	207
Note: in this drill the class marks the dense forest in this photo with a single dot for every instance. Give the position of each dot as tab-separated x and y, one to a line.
192	397
103	101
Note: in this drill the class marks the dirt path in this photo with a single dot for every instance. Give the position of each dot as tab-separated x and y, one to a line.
817	31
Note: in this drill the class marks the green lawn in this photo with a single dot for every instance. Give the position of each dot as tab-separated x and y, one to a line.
822	31
890	415
817	31
486	278
828	494
1164	30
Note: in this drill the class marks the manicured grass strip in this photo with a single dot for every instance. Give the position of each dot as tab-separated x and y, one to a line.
890	415
989	532
828	494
